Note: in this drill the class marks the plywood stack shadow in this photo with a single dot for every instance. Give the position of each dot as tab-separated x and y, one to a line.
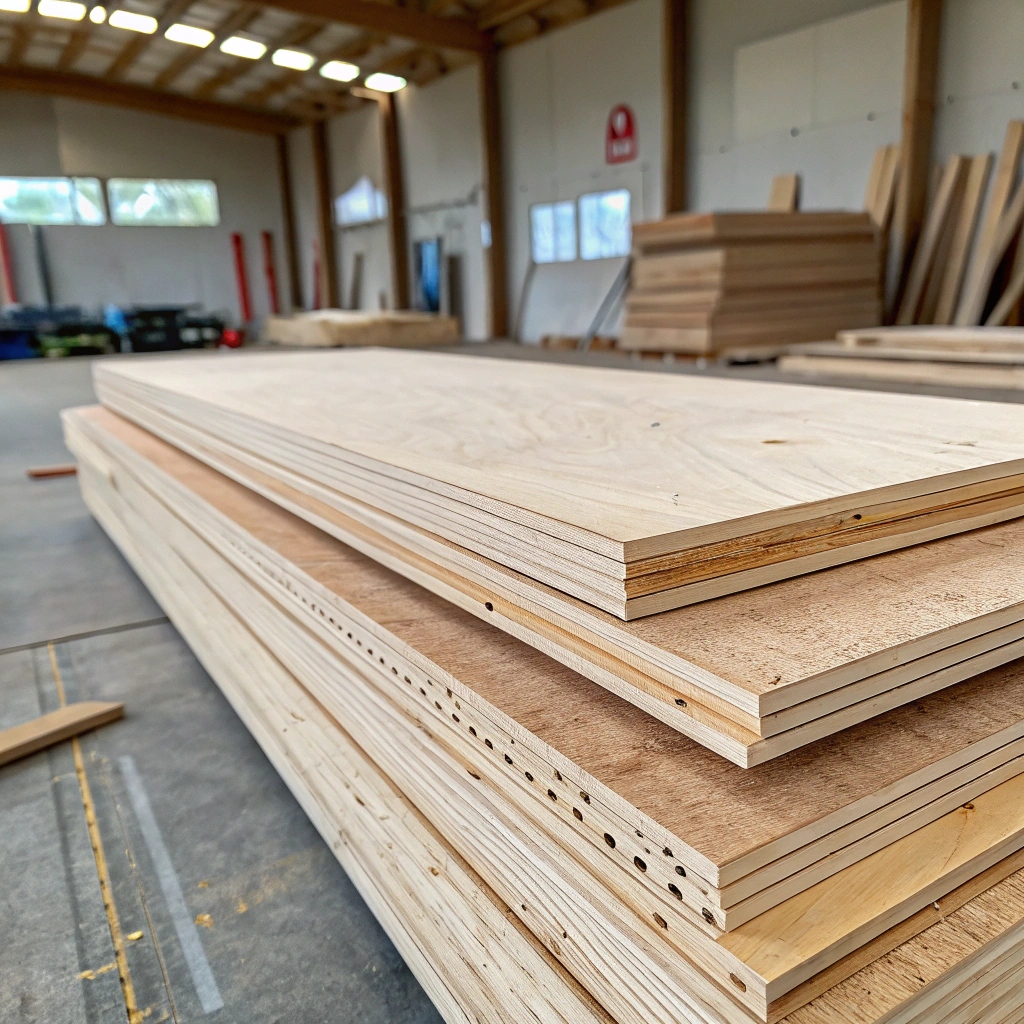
536	846
702	283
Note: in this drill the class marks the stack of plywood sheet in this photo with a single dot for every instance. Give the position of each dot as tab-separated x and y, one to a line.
537	844
746	503
338	328
706	282
981	357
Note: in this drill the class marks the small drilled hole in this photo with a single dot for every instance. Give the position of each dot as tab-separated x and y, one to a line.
407	679
681	702
474	774
424	692
639	863
472	731
455	717
529	776
708	916
661	921
489	606
675	890
680	870
667	852
586	799
551	793
610	840
437	705
508	760
558	775
577	814
738	982
488	743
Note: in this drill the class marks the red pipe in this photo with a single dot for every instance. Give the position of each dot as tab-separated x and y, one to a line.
316	274
10	294
242	278
270	271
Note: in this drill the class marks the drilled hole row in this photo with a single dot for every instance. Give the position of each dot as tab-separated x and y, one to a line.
638	862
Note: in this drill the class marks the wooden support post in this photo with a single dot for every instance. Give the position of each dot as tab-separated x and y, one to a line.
675	79
920	75
291	251
395	185
325	216
490	109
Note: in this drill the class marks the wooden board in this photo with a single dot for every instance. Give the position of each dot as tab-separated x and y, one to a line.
502	458
703	229
979	273
955	264
954	339
939	220
337	328
976	842
912	368
731	672
784	196
46	730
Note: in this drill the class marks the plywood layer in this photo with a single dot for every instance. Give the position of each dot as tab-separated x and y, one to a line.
798	948
750	676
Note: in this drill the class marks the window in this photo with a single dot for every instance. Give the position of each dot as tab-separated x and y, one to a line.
51	201
166	203
604	224
553	232
361	204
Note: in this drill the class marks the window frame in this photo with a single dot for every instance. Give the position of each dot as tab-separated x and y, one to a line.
621	189
74	185
112	183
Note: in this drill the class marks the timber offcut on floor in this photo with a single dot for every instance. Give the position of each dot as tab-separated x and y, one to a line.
477	745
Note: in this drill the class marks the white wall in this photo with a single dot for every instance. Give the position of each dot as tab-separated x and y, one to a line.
150	265
817	99
981	75
558	91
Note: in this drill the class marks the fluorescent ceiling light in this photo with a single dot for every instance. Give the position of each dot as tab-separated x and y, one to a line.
67	9
381	82
98	15
297	60
15	6
189	35
238	46
339	71
133	22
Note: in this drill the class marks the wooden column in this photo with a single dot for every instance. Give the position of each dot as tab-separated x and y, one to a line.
494	189
920	75
325	216
291	255
675	75
394	183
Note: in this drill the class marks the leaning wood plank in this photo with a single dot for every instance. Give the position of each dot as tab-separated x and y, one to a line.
1010	298
978	839
785	193
979	277
1006	231
954	339
963	236
940	213
62	724
874	179
942	373
43	472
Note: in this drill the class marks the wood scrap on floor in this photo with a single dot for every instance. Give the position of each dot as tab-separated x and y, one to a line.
47	472
55	727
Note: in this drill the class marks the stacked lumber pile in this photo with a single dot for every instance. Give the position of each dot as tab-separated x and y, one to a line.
530	789
706	282
981	357
339	328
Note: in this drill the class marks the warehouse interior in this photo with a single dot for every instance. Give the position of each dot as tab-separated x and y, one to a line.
637	382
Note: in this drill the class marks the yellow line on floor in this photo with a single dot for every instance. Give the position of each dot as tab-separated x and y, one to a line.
103	874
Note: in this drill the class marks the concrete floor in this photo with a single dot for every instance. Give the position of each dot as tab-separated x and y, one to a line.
195	825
